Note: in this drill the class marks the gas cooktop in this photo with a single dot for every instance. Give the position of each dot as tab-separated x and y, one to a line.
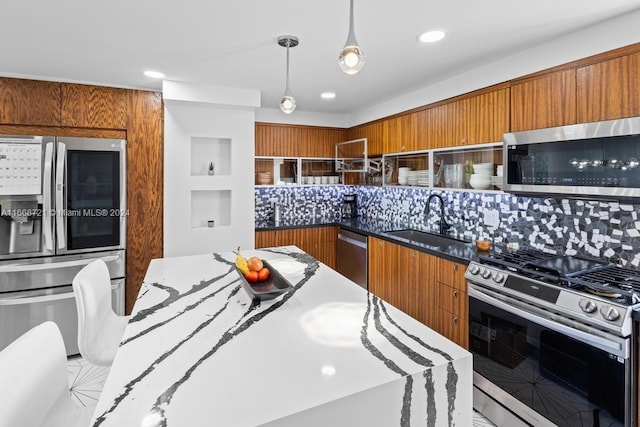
591	275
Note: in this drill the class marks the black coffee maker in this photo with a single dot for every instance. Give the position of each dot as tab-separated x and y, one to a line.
349	206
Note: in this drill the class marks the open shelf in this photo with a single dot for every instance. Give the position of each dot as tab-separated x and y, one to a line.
210	205
207	150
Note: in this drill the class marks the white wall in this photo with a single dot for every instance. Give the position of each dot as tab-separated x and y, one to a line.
192	119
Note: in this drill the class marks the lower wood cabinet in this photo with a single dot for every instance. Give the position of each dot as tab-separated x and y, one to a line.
319	242
426	287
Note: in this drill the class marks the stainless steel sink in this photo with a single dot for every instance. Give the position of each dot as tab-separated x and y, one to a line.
426	238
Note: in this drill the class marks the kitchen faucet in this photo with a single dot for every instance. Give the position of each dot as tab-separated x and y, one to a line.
443	222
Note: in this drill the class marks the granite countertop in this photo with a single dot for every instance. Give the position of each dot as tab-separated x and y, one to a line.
453	250
198	351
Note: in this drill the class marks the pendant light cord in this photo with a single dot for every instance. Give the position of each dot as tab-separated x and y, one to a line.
287	90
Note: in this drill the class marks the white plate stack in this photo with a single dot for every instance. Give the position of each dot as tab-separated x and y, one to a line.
423	177
412	178
403	175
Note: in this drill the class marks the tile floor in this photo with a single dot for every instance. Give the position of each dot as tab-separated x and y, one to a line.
86	382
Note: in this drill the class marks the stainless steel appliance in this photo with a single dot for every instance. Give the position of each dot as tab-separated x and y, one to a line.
592	159
352	256
62	205
552	340
349	206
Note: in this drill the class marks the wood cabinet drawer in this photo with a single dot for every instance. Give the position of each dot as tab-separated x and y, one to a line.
454	328
452	300
452	274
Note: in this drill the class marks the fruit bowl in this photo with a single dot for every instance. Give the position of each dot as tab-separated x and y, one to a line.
267	289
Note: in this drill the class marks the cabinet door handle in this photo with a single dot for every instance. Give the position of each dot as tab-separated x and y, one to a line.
455	294
455	267
455	320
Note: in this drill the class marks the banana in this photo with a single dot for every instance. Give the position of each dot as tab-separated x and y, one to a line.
241	262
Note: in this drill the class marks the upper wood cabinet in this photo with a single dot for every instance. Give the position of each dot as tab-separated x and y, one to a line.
545	101
94	106
609	89
29	102
374	132
471	120
400	133
487	116
296	141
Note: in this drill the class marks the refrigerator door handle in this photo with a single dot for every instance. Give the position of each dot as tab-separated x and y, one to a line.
60	190
51	265
37	299
46	197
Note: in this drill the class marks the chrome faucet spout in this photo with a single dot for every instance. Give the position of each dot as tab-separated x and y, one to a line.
443	225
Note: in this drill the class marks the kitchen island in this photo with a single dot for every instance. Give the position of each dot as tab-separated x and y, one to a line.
198	351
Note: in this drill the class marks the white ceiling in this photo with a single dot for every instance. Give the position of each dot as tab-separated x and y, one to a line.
233	43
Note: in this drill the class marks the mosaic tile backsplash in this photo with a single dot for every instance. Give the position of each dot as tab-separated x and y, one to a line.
608	230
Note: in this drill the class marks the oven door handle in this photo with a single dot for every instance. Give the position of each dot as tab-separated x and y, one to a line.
604	344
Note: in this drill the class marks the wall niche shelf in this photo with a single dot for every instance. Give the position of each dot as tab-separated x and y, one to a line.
205	150
209	205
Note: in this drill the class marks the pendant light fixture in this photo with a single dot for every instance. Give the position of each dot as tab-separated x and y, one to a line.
287	102
351	59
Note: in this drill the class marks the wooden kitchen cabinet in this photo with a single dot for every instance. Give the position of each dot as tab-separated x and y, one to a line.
400	133
465	120
544	101
399	276
609	89
374	132
29	102
452	302
487	116
94	106
319	242
428	288
272	139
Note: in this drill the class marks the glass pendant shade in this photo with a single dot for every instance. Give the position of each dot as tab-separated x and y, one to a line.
288	102
351	59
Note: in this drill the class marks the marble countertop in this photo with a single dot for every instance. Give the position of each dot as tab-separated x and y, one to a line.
199	352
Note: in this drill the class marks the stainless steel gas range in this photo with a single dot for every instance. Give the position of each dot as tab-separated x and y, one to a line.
553	340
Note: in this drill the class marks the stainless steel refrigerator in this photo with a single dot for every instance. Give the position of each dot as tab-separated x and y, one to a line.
62	205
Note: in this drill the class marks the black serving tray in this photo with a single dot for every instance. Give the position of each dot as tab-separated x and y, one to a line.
275	285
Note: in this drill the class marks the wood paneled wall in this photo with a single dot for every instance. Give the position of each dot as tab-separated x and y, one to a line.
145	197
29	107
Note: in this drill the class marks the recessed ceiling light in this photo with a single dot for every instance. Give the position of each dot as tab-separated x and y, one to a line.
431	36
154	74
328	95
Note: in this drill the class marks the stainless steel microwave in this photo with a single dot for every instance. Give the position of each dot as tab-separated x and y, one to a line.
599	159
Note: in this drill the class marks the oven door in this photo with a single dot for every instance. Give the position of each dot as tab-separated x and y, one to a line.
90	194
546	372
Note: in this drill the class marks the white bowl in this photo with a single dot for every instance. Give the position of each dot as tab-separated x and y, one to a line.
325	179
480	181
481	167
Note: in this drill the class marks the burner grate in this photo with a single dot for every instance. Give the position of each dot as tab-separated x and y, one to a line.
517	259
618	278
